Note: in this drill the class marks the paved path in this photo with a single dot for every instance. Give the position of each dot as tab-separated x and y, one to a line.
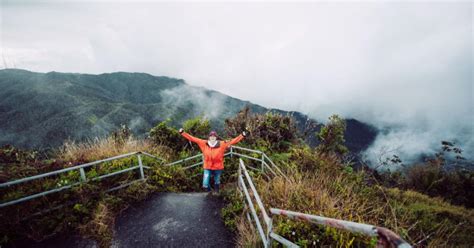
164	220
173	220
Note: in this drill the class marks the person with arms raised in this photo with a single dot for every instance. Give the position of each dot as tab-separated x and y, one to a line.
213	150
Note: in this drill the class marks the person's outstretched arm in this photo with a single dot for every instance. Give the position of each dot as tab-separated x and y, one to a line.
237	139
190	137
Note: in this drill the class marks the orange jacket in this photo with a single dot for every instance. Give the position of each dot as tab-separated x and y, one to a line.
213	156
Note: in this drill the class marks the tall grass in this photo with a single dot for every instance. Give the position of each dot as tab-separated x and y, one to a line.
107	147
332	190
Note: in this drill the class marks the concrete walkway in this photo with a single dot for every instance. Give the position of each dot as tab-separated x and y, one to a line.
173	220
164	220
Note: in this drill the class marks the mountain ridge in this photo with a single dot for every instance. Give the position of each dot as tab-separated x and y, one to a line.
42	110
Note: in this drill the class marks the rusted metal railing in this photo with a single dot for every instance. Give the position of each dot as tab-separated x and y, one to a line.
385	235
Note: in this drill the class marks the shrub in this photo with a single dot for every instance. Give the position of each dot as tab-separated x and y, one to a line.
429	178
17	163
233	209
440	175
166	136
331	136
270	131
198	127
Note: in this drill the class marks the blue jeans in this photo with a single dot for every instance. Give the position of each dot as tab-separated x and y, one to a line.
207	178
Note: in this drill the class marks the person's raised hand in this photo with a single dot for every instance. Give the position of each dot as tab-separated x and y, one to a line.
181	130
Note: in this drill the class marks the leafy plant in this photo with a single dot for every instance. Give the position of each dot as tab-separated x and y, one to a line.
331	136
270	131
164	135
198	127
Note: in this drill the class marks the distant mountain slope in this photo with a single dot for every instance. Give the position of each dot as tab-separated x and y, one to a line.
40	110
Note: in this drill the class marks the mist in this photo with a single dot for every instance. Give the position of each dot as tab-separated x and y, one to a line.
404	67
210	103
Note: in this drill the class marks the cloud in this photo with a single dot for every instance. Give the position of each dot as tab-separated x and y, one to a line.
209	104
403	65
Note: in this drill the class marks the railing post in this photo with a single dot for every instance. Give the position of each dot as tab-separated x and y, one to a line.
269	230
239	174
83	174
140	165
263	161
231	152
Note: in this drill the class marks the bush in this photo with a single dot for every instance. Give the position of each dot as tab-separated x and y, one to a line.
164	135
198	127
16	163
268	131
331	137
456	185
233	209
169	137
306	157
440	175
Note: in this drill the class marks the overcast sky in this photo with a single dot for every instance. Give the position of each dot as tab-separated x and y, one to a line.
402	64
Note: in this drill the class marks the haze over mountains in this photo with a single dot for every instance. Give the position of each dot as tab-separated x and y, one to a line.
41	110
404	68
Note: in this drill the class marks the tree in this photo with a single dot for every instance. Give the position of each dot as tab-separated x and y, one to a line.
331	137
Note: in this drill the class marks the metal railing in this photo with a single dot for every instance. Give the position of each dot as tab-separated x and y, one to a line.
83	178
242	185
265	162
387	237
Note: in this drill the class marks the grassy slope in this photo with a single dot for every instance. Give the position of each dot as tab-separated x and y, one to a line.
329	189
